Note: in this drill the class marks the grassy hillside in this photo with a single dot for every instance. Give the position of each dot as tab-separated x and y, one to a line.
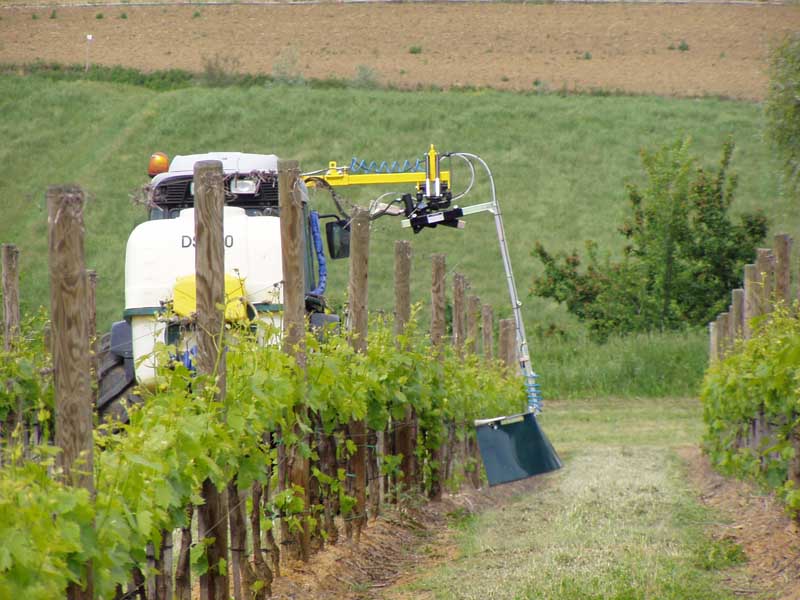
560	164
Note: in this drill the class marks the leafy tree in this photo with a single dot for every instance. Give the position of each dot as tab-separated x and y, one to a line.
683	254
783	107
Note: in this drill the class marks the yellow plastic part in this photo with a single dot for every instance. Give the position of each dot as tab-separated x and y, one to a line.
433	164
185	297
337	176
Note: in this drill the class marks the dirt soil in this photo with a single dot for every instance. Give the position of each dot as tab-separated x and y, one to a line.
758	524
392	548
679	49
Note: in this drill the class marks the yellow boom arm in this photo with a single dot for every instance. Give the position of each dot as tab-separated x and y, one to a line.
337	176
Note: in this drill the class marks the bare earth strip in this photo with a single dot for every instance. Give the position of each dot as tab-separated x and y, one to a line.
619	47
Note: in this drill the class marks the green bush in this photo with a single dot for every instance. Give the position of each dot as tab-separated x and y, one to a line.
783	108
683	254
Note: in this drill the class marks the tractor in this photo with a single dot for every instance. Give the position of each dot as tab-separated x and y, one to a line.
160	285
160	262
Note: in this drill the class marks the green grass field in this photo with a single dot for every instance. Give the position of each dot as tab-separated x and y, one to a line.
619	521
560	164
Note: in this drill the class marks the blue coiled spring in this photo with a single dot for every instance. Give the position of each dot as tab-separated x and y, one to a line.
363	167
534	393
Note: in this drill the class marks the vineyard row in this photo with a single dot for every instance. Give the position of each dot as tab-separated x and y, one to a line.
226	473
750	390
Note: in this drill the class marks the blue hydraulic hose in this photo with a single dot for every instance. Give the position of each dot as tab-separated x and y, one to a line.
323	265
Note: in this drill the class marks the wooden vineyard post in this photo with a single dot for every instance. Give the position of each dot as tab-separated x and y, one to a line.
437	339
736	322
459	310
10	258
292	259
183	581
210	278
297	468
262	571
459	329
713	349
783	269
473	456
438	300
473	323
91	304
243	574
357	297
722	335
508	343
73	391
459	326
406	433
91	333
487	326
751	304
164	577
402	285
765	272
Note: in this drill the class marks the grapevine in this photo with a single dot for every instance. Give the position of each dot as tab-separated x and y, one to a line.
149	470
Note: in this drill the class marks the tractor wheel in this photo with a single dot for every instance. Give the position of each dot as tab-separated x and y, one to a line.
116	384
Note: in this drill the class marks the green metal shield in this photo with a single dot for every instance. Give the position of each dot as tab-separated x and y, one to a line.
515	448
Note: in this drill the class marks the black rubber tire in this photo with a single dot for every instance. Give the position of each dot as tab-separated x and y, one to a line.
116	384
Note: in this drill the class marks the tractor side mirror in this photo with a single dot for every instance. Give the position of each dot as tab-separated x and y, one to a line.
338	235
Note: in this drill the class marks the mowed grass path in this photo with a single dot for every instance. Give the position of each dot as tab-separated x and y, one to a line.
619	521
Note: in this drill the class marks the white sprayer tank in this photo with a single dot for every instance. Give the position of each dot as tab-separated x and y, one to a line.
161	252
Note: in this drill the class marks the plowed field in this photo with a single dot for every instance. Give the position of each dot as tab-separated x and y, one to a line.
681	50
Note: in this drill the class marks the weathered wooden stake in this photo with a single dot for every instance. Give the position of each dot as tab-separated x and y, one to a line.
91	333
262	571
508	343
10	259
73	391
183	571
765	269
402	285
437	339
357	298
783	269
438	300
210	278
751	303
487	325
459	309
472	452
150	584
406	430
723	343
736	322
243	575
297	466
459	327
164	577
91	304
713	349
473	323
